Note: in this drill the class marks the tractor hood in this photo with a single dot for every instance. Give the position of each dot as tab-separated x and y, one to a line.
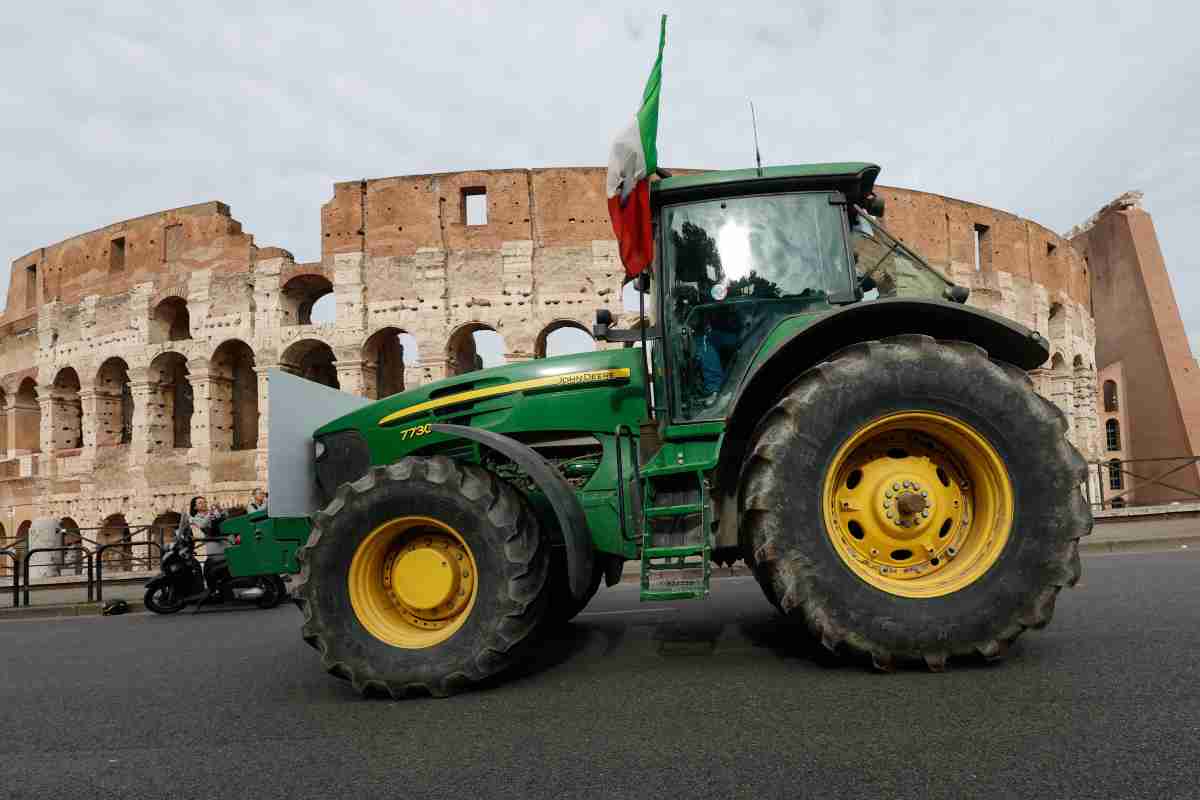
566	392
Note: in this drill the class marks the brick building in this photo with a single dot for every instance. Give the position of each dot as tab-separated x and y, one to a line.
133	358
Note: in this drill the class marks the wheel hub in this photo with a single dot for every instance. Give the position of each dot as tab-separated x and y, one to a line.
429	579
903	502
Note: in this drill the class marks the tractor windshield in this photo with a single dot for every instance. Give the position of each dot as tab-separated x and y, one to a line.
892	268
734	267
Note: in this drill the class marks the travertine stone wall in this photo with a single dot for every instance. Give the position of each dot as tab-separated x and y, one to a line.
93	323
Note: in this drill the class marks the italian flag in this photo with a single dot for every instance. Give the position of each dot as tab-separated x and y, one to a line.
634	158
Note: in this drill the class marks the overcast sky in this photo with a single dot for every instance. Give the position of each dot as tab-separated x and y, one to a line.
1047	110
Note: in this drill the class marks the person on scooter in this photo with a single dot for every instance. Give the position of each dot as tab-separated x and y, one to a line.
206	521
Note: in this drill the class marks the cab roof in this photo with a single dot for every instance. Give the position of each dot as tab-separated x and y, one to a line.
855	179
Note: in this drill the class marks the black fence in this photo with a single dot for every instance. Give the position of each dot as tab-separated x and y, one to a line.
90	558
1123	483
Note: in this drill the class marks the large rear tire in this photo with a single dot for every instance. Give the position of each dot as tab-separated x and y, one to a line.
425	576
914	500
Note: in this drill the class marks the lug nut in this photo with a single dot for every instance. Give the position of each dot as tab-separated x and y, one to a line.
924	494
889	514
925	513
895	487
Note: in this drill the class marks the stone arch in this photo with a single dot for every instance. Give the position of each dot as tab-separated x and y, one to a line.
300	294
313	360
1112	435
114	403
69	536
1111	401
115	531
385	355
1079	363
172	401
233	396
67	411
561	337
170	321
462	348
27	420
1058	363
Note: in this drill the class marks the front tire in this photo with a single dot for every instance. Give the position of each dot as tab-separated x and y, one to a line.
425	576
913	500
163	600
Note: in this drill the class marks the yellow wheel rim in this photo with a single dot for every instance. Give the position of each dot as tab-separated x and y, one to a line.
918	504
413	582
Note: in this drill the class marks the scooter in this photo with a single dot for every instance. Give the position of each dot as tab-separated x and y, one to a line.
183	581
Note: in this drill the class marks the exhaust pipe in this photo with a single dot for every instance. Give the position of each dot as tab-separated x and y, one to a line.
252	593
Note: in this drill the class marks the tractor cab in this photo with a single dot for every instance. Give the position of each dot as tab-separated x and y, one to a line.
739	252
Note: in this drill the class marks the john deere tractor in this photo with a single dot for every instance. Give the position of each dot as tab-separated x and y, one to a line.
811	398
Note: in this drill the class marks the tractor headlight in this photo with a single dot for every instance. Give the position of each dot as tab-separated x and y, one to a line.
318	450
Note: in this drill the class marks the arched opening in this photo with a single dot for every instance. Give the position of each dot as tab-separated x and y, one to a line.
170	321
1058	363
312	360
72	560
162	530
1116	480
114	404
1110	396
1112	434
171	425
386	354
474	346
563	338
67	411
234	397
28	418
1078	363
114	531
300	297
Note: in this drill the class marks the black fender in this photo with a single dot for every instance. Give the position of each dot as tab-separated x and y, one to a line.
157	581
1002	338
571	520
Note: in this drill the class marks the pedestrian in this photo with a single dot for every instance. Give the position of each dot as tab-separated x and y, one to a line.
258	501
205	521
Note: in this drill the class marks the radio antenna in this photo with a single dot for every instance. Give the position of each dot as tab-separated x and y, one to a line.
757	155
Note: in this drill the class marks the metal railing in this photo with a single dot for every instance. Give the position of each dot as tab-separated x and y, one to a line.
91	552
29	554
1127	493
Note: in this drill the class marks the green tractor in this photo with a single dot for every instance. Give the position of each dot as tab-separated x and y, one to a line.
808	396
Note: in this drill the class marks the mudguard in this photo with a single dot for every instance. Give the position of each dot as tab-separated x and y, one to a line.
576	535
1002	338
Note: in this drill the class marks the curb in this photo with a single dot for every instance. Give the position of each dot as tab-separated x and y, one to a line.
52	611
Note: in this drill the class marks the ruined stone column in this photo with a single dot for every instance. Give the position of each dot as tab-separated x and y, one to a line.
44	533
350	376
264	421
200	456
46	429
145	414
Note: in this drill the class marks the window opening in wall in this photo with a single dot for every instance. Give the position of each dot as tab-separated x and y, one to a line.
1112	434
1115	478
31	286
308	300
983	252
1050	248
116	254
1110	396
475	206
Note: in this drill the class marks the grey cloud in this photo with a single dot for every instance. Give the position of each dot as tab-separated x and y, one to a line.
1047	110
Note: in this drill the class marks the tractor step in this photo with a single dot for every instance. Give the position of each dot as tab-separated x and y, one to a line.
681	571
673	511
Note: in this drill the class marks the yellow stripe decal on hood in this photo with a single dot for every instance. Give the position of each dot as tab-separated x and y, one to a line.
566	379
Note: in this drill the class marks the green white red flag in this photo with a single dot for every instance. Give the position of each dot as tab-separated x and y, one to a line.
633	160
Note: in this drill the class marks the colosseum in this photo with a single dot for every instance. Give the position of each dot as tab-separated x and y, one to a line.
133	358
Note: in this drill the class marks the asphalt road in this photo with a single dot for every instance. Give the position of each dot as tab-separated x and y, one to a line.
675	701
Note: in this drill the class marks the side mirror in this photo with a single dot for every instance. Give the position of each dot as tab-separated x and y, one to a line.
874	206
956	293
604	321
